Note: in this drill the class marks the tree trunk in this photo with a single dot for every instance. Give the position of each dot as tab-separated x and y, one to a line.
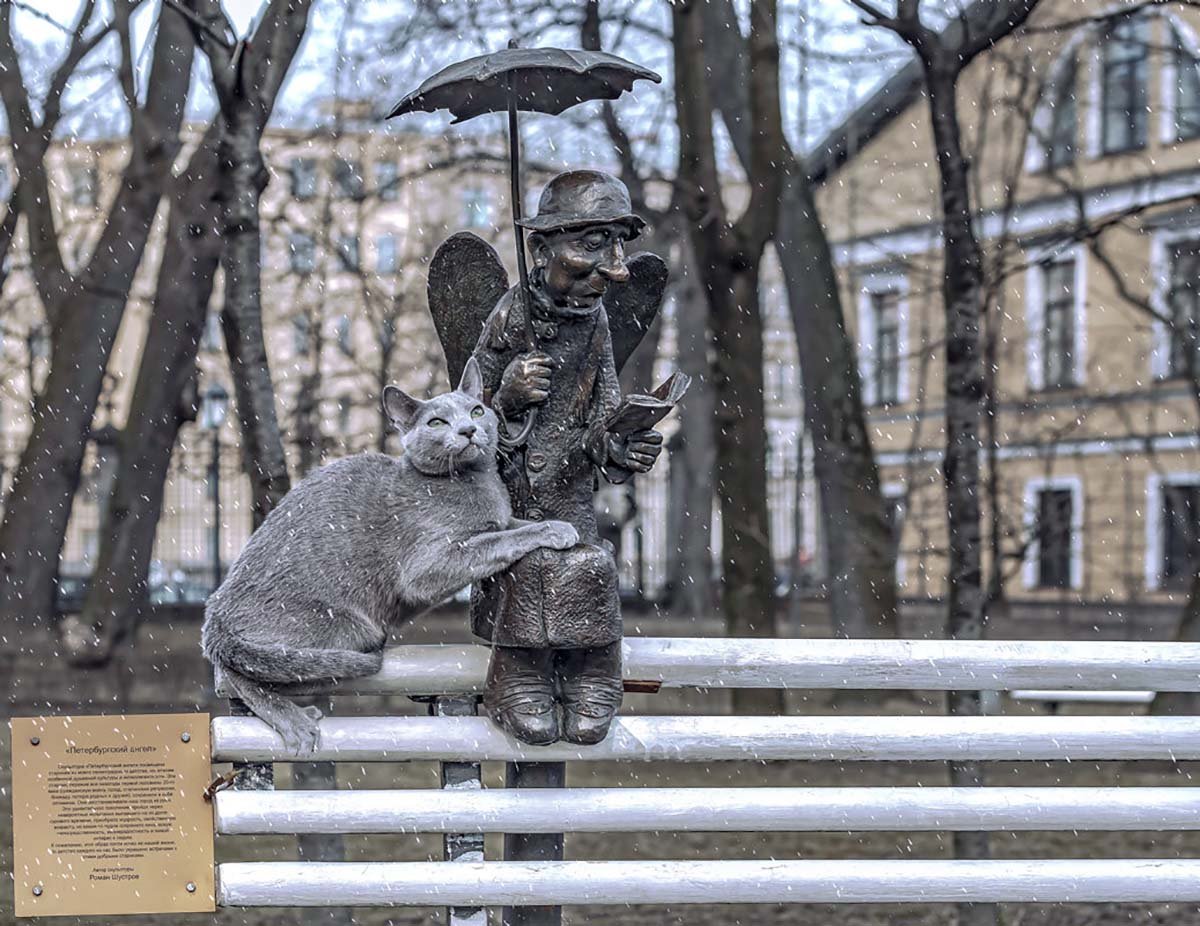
858	540
747	567
693	465
168	366
859	548
86	316
244	177
728	257
962	294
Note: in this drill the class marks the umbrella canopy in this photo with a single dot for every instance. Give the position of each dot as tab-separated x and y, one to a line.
544	80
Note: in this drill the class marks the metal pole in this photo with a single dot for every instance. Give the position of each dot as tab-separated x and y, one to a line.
214	475
461	776
533	847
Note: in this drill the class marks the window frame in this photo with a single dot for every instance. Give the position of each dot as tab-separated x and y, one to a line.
348	180
1161	243
296	166
1180	39
295	264
1155	529
1031	565
1139	79
871	285
1039	260
393	267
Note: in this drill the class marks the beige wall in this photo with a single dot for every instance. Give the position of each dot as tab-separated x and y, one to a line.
1123	429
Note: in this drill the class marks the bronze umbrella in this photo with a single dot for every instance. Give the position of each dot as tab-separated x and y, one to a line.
544	80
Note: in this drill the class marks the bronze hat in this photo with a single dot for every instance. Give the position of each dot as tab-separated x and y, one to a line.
578	198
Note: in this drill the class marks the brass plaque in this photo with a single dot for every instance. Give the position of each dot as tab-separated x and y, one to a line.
109	815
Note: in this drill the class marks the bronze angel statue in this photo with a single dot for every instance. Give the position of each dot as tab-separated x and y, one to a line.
550	355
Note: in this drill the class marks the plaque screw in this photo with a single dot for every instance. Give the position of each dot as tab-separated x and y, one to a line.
191	885
35	740
186	737
37	890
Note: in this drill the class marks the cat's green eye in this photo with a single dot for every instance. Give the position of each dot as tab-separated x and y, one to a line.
436	422
477	411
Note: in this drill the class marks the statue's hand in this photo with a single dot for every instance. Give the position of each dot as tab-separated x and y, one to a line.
525	382
637	452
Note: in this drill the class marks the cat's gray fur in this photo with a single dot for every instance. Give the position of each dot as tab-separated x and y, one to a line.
364	544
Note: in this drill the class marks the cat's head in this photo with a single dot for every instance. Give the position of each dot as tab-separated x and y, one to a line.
449	433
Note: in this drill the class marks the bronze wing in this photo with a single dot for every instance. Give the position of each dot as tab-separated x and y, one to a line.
466	280
633	305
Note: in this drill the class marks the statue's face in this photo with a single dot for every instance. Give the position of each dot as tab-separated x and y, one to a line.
579	264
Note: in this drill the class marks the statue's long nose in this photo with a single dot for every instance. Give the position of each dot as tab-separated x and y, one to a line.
613	267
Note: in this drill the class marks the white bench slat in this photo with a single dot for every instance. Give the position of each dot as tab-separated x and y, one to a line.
998	665
325	884
635	810
710	739
1095	697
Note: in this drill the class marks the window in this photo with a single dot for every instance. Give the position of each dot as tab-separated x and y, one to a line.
303	174
5	183
387	334
477	208
1123	84
39	343
347	252
387	180
1186	90
893	516
1061	128
301	334
347	178
385	254
1053	537
85	184
344	343
1183	306
1058	324
210	339
1180	525
303	253
885	311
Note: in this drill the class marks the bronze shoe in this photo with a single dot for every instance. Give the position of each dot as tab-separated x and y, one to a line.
519	695
591	686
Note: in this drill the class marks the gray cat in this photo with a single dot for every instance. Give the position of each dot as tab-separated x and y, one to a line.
364	544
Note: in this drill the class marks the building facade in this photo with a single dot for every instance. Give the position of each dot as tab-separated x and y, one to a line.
1084	135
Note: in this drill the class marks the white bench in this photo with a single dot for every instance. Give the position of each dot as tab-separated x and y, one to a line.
532	882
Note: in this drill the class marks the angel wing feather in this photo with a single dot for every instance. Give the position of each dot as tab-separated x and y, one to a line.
466	280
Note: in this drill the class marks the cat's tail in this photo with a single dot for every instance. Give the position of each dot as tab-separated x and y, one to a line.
279	664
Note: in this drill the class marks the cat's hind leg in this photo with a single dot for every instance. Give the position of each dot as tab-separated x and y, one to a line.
296	725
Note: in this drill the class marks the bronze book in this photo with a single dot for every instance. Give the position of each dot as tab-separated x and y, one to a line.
638	412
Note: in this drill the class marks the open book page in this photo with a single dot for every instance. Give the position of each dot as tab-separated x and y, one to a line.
639	412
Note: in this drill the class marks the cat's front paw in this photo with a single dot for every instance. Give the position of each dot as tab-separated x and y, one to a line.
559	535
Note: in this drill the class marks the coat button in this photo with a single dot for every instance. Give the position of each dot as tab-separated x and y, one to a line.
535	514
536	461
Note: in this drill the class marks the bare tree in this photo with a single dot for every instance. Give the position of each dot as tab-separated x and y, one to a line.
244	75
728	258
83	309
858	538
161	402
944	55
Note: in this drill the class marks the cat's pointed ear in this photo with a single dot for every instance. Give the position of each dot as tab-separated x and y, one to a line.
400	407
472	380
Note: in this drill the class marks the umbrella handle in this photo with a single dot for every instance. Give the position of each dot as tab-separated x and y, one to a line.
513	442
